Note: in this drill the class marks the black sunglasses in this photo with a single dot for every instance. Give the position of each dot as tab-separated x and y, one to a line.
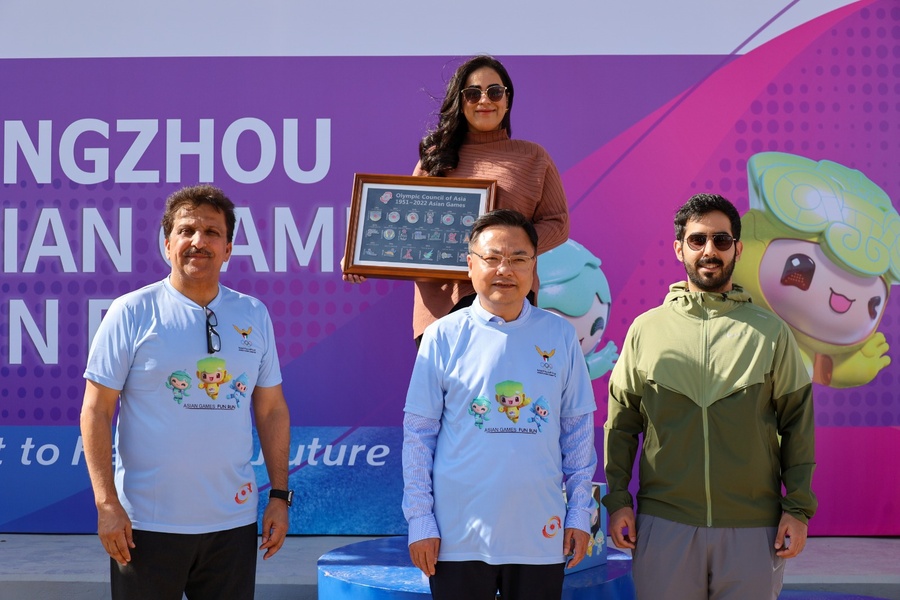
213	341
722	241
494	93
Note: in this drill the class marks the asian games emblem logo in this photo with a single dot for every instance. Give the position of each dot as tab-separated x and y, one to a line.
552	527
244	494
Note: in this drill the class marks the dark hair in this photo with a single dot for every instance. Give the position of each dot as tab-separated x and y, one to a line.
701	204
439	149
193	197
503	217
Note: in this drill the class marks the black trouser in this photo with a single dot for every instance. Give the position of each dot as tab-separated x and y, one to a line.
476	580
203	566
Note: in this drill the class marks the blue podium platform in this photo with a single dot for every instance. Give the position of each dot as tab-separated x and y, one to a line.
381	570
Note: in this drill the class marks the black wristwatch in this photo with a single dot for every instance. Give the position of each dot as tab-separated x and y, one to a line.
286	495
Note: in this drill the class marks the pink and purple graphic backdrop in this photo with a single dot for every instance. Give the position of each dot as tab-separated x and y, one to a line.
93	146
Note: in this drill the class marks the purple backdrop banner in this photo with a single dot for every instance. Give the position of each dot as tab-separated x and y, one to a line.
92	147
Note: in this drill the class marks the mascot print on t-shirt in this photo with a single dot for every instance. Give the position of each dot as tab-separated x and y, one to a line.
212	374
511	397
179	382
222	387
479	408
215	379
239	389
540	411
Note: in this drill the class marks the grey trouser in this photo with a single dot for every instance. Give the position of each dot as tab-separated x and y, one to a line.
681	562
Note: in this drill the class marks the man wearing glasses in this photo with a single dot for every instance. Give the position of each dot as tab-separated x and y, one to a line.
178	514
717	387
482	486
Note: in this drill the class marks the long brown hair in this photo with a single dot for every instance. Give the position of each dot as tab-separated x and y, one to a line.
439	149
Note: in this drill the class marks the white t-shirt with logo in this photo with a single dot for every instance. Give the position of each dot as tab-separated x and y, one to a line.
184	437
499	390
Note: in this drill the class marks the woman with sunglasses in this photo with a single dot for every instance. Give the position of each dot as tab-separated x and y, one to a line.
472	140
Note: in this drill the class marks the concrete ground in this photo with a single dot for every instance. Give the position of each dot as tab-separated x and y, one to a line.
75	567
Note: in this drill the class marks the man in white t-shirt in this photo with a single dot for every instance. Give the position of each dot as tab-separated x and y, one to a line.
178	514
499	415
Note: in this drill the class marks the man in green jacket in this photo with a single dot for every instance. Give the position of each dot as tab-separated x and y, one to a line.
718	389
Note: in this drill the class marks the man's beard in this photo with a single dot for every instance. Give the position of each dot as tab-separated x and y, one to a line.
714	283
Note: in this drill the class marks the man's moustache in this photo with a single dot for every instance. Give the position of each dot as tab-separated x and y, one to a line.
711	262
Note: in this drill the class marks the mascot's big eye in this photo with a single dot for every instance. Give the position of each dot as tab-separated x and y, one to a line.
874	303
798	271
599	324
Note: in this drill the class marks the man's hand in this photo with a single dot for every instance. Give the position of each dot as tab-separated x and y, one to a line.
619	522
114	529
424	554
274	527
795	529
113	524
575	545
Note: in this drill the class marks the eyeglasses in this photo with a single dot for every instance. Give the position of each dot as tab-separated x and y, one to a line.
722	241
494	93
213	340
518	262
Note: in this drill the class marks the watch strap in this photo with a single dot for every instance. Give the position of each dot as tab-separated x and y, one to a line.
286	495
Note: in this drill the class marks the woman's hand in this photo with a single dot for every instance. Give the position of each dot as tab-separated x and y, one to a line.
349	276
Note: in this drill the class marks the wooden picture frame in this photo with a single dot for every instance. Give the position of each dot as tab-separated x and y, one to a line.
405	227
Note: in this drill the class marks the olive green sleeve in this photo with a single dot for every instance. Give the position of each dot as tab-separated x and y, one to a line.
624	424
796	426
620	445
